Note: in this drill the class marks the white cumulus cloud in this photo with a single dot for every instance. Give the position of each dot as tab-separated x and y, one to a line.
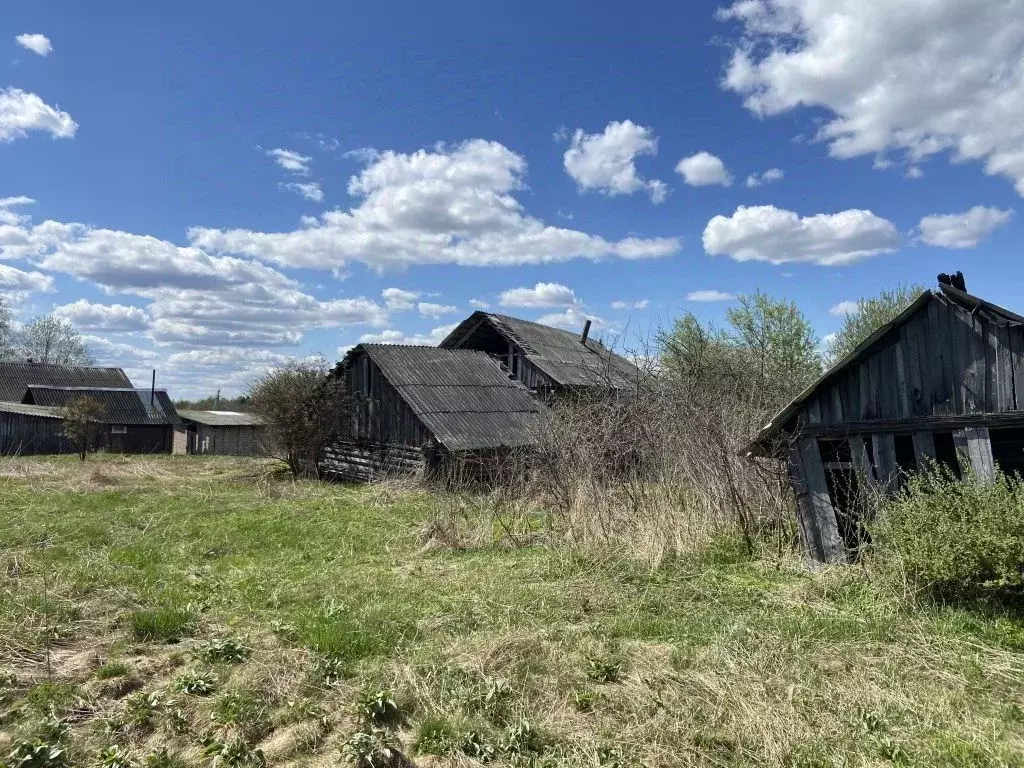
623	305
915	78
430	309
87	316
442	206
768	177
291	160
709	295
572	319
22	112
400	300
21	283
844	308
962	230
310	191
606	162
767	233
703	169
38	44
540	296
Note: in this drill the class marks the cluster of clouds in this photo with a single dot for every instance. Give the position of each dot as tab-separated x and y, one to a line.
902	82
901	85
606	163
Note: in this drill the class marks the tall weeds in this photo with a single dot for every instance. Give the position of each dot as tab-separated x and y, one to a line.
656	468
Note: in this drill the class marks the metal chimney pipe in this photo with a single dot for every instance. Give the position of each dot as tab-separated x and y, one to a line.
152	390
586	332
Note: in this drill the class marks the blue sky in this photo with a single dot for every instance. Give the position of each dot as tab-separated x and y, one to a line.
215	187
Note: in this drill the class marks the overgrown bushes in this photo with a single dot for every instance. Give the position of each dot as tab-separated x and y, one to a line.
953	539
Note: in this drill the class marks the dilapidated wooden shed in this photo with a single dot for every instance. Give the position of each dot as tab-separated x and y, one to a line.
942	382
408	405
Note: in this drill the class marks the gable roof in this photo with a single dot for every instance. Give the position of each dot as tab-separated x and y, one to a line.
560	354
221	418
758	446
16	377
461	395
123	405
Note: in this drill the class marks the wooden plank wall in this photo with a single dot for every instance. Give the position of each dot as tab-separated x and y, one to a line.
379	414
945	361
23	435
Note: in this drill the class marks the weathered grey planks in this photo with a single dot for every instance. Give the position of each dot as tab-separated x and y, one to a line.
975	451
816	507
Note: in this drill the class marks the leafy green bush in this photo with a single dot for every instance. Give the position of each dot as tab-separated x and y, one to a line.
954	539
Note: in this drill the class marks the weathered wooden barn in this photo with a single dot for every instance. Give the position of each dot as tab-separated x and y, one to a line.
544	359
219	433
942	382
26	430
409	405
134	420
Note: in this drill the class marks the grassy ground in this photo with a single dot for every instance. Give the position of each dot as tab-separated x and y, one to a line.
200	612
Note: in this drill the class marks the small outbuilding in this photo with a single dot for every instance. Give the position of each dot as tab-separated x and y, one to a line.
409	407
942	382
220	433
27	430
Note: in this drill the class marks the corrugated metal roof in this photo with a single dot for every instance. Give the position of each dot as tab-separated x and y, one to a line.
462	396
123	406
30	410
560	354
16	377
221	418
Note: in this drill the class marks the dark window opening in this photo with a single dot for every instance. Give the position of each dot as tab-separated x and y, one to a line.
835	451
1008	449
945	452
906	458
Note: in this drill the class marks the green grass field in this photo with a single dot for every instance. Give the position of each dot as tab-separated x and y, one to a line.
191	612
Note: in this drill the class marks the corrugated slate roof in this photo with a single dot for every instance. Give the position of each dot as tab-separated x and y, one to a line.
221	418
16	377
21	409
560	354
462	396
123	406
